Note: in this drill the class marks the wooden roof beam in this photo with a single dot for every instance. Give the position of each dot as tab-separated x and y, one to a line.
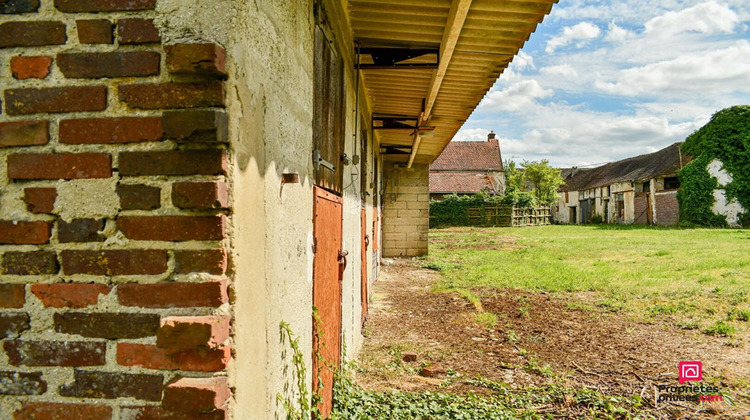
456	18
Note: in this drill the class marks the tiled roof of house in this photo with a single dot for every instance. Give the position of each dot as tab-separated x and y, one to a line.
469	156
663	162
466	182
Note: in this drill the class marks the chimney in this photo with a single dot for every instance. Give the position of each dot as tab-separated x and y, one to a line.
491	136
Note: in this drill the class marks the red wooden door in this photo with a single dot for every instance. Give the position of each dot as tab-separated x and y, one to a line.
328	266
365	244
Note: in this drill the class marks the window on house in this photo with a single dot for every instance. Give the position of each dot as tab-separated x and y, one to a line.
566	196
646	187
671	183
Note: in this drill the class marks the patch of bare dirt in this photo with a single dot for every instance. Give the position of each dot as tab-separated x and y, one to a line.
583	347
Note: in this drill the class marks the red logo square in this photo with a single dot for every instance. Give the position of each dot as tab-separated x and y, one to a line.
690	371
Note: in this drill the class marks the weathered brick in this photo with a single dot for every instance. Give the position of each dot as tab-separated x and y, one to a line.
173	163
95	31
90	384
114	262
55	353
80	230
29	263
137	31
13	324
59	166
107	325
72	6
24	133
12	295
200	195
53	411
152	357
212	261
180	333
55	99
156	412
19	6
24	233
40	200
110	130
202	59
172	228
92	65
173	95
196	125
196	395
32	34
172	294
69	295
22	383
139	197
26	67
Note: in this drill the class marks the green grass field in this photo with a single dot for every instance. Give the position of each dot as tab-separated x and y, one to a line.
701	277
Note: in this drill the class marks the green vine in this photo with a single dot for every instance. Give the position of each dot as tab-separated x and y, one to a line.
725	138
303	404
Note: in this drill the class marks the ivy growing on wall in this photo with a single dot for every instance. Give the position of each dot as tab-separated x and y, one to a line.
726	138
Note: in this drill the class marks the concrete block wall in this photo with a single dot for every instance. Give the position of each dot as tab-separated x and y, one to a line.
406	210
113	216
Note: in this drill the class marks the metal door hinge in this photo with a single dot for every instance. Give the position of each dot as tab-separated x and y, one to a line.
318	161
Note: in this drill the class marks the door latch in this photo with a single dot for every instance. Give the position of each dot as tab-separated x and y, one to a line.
342	258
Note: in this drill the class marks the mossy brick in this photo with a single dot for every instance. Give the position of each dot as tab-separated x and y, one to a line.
95	65
115	262
111	385
107	325
172	95
95	31
55	99
137	31
110	130
53	410
32	33
24	133
29	263
93	6
69	295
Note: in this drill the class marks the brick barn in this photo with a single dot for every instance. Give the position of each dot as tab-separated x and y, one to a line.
638	190
180	178
468	167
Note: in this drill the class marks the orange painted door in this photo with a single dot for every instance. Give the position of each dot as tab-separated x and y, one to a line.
365	244
328	266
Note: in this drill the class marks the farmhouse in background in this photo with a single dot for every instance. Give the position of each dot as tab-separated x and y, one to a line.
638	190
468	167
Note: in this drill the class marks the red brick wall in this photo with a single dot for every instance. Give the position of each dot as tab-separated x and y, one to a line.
640	204
667	209
113	212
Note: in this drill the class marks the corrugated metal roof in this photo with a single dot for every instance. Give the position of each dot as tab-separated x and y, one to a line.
492	34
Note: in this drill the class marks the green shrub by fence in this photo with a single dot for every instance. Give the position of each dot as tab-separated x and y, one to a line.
485	210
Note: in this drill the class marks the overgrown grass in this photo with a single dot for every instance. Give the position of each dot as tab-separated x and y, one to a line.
652	272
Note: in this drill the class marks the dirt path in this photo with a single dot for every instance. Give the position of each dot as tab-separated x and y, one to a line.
539	339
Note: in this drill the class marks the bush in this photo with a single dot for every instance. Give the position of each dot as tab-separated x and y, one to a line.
453	209
597	219
726	138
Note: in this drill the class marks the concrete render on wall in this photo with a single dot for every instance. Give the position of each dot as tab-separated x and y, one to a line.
269	102
732	209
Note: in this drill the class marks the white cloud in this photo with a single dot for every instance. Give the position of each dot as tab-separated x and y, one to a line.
724	70
515	97
706	18
581	32
617	34
471	134
523	61
565	70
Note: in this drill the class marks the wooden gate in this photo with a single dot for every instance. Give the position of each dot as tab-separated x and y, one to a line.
328	266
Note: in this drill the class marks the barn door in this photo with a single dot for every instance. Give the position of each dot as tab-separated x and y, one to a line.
328	265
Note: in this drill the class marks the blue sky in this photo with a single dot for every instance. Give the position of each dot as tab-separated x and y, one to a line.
602	80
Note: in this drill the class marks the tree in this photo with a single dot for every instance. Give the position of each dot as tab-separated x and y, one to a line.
544	179
513	178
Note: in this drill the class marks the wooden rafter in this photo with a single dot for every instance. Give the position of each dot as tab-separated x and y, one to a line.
456	18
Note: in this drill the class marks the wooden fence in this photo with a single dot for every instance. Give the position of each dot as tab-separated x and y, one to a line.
507	216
